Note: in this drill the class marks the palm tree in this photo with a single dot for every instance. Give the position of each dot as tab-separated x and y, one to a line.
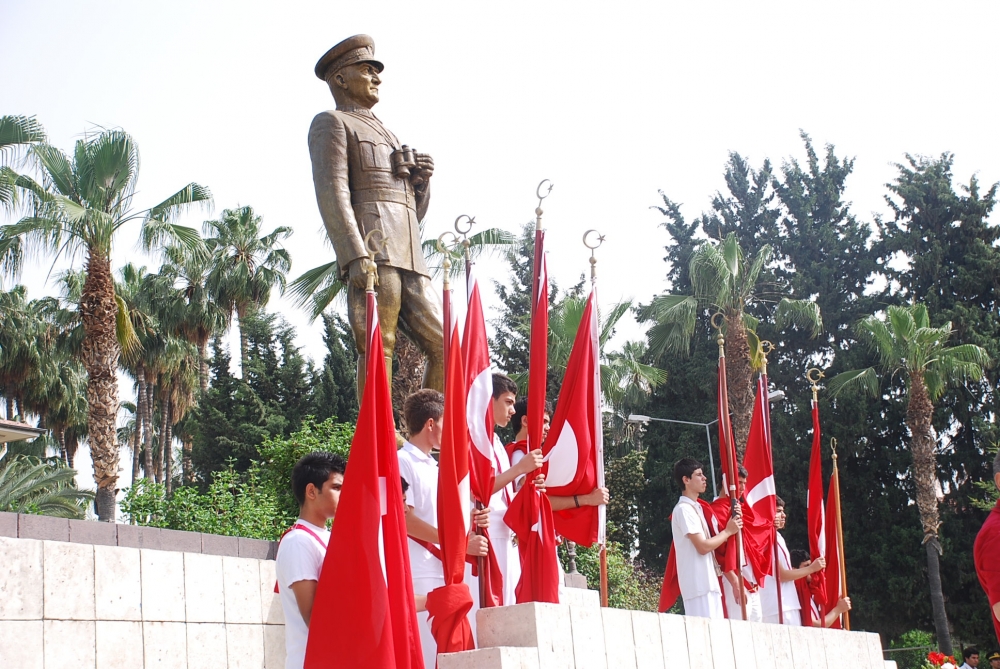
16	133
246	265
190	311
79	206
725	281
907	345
33	485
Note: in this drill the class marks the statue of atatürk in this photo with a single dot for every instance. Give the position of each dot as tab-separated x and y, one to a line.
366	180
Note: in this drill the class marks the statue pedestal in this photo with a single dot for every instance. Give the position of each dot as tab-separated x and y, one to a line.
582	635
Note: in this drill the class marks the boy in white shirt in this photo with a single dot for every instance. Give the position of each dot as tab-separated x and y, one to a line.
697	571
791	609
422	413
316	482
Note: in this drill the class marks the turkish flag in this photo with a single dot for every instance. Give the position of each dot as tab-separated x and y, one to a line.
367	565
448	606
815	511
758	521
479	414
530	514
574	449
833	567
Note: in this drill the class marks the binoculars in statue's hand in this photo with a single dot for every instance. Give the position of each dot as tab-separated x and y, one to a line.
402	161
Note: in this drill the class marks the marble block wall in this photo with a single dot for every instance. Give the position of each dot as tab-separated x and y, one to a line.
560	636
80	605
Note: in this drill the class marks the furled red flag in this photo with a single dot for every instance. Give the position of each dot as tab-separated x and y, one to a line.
479	413
574	448
449	605
727	445
758	523
815	513
530	514
367	563
833	576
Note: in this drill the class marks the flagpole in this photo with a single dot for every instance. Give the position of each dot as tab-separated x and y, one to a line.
840	534
601	531
464	232
732	478
446	301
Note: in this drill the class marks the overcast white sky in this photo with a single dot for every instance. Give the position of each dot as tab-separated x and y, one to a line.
610	101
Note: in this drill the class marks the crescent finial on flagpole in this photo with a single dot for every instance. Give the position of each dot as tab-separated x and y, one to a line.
538	194
593	247
443	249
371	268
819	375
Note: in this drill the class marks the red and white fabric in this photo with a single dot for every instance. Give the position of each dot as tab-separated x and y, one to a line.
367	563
815	509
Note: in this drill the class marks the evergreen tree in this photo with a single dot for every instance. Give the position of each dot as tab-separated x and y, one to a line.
334	387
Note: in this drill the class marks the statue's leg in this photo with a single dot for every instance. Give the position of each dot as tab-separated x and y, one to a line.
420	316
387	297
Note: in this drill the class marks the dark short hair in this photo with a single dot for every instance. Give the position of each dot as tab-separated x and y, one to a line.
742	472
420	407
971	650
521	410
685	468
502	384
315	468
779	503
797	557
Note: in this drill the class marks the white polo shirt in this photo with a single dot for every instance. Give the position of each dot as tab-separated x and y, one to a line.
769	593
300	558
502	498
420	471
696	573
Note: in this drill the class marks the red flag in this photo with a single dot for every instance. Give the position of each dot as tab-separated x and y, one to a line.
574	449
727	445
367	563
815	513
530	514
833	567
448	606
758	522
479	413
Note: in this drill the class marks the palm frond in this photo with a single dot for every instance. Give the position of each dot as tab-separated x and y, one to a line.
674	318
16	132
711	276
855	380
33	485
176	203
128	340
320	286
801	313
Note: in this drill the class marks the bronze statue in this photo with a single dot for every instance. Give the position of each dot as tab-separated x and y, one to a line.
366	180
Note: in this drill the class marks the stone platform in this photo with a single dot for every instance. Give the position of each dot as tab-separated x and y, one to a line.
561	636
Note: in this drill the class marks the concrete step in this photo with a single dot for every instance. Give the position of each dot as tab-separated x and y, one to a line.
503	657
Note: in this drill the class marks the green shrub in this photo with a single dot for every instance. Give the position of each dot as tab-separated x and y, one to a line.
630	584
912	659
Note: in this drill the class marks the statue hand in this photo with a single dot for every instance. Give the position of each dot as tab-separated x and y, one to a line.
425	165
356	274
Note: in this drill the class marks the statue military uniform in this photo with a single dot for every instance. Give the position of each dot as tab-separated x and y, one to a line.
366	180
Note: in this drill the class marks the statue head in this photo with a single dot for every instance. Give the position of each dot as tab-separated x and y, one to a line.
351	71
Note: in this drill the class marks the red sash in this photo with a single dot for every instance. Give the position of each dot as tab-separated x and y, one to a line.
298	526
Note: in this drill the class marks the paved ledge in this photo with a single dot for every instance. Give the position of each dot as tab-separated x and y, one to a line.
95	533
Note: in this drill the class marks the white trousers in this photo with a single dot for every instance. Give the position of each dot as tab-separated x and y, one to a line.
706	606
509	560
793	617
734	611
421	586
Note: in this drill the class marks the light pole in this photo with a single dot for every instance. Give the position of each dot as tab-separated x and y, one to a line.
638	418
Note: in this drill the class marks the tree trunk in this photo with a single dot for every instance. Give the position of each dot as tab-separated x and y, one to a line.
72	444
100	354
919	411
241	313
140	421
168	444
409	378
148	433
10	408
161	454
136	449
203	366
740	380
186	446
61	438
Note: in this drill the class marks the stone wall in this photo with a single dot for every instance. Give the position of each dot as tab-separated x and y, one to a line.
103	596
